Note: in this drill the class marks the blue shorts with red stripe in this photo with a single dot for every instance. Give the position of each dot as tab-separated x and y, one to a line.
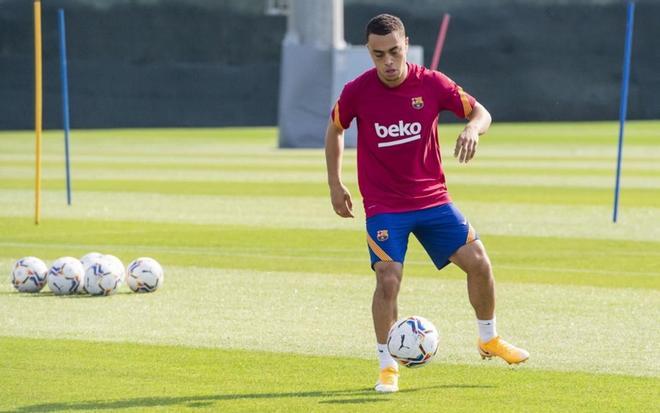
441	230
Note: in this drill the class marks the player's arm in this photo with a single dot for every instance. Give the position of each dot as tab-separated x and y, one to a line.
478	123
334	152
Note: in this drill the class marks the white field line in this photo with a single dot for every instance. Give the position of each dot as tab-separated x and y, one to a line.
309	313
312	255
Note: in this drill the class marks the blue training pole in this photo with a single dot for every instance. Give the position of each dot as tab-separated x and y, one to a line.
65	99
623	108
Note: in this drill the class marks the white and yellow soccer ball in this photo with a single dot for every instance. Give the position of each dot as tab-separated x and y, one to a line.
66	276
413	341
144	275
103	277
29	275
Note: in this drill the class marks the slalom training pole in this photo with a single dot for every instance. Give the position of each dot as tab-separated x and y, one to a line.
65	99
623	107
440	42
37	108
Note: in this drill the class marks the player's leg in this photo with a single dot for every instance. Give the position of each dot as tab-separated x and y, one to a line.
387	239
447	236
384	313
472	259
384	303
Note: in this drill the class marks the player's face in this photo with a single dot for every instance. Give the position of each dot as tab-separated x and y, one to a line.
388	53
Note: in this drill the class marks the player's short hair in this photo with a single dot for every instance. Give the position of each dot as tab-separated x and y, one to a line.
384	24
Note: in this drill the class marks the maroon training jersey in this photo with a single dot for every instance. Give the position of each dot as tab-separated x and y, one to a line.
398	154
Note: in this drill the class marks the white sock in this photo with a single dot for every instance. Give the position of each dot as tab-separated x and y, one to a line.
384	356
487	330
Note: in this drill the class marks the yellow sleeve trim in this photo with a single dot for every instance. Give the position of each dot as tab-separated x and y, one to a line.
377	249
471	234
335	117
467	108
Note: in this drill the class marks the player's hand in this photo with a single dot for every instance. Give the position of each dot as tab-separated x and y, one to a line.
341	200
466	144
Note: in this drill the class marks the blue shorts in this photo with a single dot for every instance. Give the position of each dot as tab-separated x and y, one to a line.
441	230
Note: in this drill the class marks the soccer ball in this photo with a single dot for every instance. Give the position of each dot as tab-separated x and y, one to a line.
103	277
145	275
88	259
65	276
29	275
413	341
118	265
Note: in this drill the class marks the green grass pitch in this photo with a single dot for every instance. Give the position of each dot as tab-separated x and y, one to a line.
266	301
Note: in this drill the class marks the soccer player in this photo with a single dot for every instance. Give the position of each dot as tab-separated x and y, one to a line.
396	106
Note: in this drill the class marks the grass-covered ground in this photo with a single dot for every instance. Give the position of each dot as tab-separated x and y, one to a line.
266	302
129	377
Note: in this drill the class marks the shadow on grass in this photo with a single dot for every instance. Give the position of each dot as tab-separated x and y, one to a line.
354	396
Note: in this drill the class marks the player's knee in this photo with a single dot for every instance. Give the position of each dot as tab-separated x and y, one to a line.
478	259
480	266
388	287
484	267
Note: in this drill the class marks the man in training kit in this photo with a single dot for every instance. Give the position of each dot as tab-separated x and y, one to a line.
400	176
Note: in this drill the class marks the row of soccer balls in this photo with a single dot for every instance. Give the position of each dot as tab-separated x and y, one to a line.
412	341
95	274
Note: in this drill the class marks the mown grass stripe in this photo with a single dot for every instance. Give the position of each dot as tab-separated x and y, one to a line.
609	263
191	310
318	177
170	378
502	218
630	197
650	177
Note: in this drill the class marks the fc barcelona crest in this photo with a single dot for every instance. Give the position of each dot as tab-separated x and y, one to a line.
382	235
417	102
